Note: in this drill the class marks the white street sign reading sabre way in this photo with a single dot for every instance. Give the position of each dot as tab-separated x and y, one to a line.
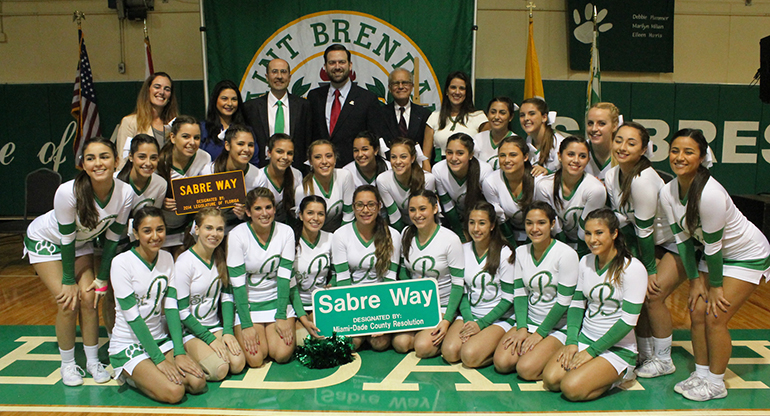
377	47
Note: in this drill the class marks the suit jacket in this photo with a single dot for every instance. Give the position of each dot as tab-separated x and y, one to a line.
417	122
255	114
361	111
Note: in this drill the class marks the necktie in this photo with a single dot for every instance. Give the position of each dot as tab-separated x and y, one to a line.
280	124
402	130
335	112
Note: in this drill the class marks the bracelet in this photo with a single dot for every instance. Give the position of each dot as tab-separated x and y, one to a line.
101	289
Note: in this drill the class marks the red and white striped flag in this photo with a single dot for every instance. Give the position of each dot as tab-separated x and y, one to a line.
84	107
148	68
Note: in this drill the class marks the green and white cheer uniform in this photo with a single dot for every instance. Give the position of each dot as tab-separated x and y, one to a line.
594	168
602	315
485	149
354	259
488	298
510	212
589	194
311	268
441	258
545	288
452	190
200	293
59	234
339	199
142	293
642	213
552	162
176	224
395	197
260	274
733	246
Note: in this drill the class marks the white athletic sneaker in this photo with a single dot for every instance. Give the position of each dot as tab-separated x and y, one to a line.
98	372
72	375
706	390
692	381
655	367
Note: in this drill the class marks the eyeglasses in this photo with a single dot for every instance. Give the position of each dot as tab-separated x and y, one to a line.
279	71
372	206
402	83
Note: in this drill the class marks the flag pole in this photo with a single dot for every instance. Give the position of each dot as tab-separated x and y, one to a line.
205	59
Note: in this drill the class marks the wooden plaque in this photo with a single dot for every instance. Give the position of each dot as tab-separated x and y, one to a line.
222	190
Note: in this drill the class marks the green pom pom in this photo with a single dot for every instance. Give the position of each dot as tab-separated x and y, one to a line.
325	352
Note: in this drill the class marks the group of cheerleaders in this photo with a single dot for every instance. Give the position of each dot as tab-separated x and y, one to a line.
553	255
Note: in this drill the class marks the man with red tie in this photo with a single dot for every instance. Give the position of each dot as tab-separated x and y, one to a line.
340	110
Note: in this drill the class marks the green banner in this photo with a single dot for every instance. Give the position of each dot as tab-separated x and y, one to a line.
380	308
634	35
381	36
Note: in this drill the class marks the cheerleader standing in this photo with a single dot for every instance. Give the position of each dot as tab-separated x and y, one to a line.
238	151
533	116
601	347
500	112
601	124
366	251
737	257
486	310
60	248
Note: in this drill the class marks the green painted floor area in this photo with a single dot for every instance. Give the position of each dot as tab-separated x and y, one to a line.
29	375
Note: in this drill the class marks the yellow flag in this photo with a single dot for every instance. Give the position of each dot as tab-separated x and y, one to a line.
533	84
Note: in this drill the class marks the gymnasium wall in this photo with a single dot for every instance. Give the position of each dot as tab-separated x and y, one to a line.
716	53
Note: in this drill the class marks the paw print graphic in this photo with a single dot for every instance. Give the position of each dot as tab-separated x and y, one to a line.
584	31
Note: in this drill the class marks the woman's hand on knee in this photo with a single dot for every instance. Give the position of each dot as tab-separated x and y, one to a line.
697	290
565	355
186	365
529	343
285	330
579	359
68	297
170	370
232	344
220	349
717	303
439	332
470	329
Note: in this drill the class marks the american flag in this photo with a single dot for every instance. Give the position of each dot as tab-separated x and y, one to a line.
84	107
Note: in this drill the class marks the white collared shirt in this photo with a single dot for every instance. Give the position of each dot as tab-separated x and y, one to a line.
407	112
272	110
344	91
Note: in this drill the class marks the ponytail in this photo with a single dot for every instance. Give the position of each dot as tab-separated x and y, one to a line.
496	240
85	199
383	244
220	163
411	230
699	181
416	175
557	199
641	165
546	145
623	257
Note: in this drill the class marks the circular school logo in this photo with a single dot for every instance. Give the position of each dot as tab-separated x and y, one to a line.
376	46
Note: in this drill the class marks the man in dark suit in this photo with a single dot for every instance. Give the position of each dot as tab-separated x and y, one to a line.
279	112
341	110
404	118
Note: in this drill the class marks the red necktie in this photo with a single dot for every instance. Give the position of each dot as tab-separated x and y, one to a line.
335	112
402	130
